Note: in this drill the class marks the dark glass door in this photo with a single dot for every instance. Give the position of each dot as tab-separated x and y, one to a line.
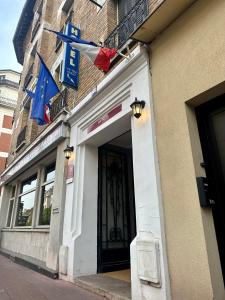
116	212
211	123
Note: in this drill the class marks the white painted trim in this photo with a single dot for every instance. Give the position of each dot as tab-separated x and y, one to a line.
129	79
6	130
4	154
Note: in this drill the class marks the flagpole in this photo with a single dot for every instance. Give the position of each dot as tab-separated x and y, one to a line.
118	52
65	103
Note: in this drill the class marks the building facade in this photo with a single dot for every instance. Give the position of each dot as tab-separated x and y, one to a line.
127	198
9	84
188	83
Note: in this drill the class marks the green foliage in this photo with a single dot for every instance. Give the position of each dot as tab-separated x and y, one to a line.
46	216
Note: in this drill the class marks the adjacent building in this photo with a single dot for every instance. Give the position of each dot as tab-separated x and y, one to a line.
9	85
141	194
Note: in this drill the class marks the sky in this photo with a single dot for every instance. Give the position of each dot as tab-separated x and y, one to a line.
10	11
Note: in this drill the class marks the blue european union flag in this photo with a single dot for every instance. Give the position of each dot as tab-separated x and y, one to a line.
46	88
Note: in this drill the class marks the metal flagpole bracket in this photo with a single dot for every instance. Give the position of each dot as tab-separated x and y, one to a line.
96	3
128	51
123	55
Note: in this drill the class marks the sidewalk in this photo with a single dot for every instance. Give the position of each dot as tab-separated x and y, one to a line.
20	283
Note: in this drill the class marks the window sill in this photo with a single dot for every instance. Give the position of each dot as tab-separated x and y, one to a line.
23	143
23	229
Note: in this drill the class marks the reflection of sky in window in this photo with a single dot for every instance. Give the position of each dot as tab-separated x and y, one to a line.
28	200
50	175
29	184
48	187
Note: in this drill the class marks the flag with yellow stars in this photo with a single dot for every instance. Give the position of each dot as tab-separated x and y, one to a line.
46	88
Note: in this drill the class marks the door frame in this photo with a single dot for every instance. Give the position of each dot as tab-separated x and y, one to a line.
213	169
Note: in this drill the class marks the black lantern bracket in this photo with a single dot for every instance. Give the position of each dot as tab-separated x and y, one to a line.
137	107
68	151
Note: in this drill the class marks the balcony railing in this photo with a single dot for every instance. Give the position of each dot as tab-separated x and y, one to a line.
7	102
128	25
9	83
28	77
58	104
21	138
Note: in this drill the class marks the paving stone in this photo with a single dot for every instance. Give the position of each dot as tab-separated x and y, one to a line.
20	283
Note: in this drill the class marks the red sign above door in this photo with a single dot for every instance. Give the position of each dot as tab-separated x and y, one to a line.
105	118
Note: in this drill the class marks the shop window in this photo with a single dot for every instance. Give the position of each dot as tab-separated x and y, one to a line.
26	202
10	209
47	195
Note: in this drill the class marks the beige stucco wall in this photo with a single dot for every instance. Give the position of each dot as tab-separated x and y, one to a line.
187	60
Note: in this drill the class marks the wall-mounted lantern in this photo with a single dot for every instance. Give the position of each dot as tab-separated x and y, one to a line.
137	107
68	151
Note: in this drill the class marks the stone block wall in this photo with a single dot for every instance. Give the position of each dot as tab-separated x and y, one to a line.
32	244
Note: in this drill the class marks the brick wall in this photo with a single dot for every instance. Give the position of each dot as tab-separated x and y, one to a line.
5	140
2	164
95	25
7	122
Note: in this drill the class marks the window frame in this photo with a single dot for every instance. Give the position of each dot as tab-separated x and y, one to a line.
39	170
12	198
19	195
43	183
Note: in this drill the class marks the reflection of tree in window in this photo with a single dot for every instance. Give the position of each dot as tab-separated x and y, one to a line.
26	202
47	195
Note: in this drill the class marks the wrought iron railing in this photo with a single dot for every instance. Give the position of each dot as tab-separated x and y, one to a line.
58	104
21	137
128	25
9	83
28	77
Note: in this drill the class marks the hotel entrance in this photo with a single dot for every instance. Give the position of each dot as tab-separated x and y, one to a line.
116	205
211	123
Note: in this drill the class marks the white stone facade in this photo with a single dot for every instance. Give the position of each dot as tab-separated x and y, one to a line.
78	254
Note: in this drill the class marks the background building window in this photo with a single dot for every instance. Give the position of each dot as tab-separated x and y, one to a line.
47	195
26	202
10	210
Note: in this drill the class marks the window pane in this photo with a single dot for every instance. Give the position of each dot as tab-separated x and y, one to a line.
50	173
13	191
29	184
46	204
25	209
10	213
